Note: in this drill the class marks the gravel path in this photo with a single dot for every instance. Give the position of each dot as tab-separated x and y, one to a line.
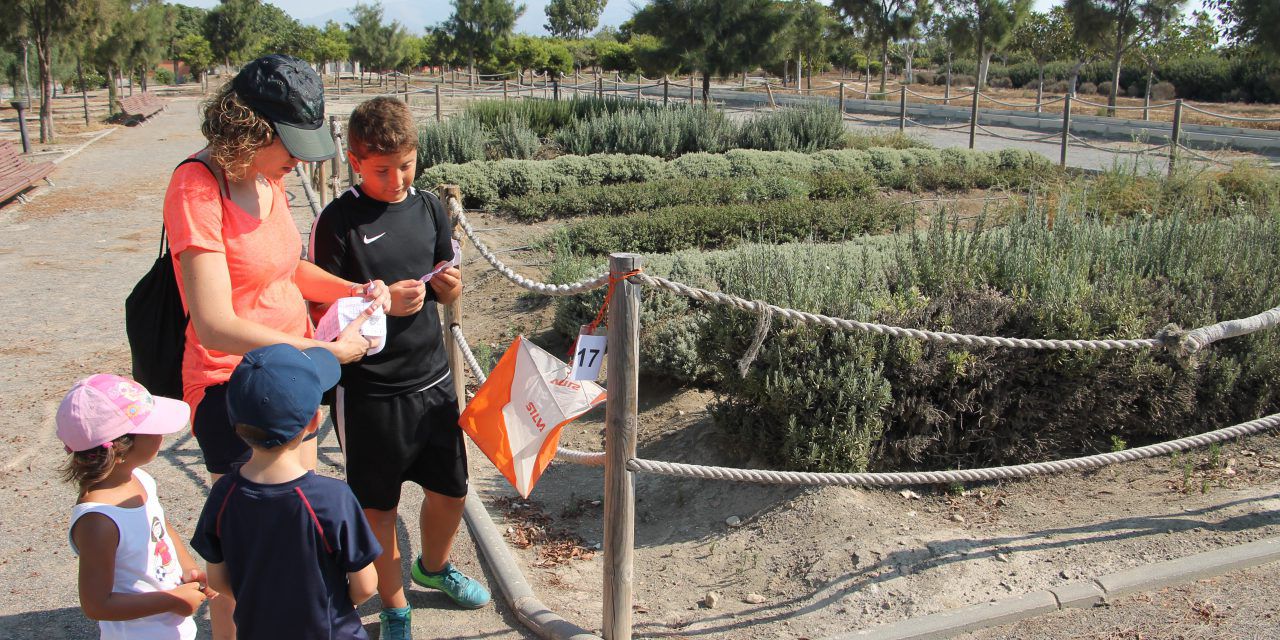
68	260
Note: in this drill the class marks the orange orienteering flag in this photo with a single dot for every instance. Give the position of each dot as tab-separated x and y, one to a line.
517	414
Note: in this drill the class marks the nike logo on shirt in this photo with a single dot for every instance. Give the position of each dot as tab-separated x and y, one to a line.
368	240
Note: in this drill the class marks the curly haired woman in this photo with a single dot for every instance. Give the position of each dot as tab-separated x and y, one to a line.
238	251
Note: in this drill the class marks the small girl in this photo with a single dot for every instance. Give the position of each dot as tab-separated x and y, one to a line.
136	577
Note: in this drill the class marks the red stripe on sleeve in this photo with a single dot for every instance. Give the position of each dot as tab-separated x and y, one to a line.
217	526
307	504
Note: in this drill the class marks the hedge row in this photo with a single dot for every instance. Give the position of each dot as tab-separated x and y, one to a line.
621	199
544	117
483	184
717	227
824	400
1214	77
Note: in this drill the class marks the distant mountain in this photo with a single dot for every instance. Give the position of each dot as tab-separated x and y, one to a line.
417	15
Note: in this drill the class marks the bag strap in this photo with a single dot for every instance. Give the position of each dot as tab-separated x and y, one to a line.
164	235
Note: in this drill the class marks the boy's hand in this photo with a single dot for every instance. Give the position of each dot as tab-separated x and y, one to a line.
378	292
195	575
447	284
407	297
188	597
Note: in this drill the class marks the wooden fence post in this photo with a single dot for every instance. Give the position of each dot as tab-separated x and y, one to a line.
841	100
973	118
453	312
335	165
902	110
438	116
622	360
691	98
504	89
666	89
1175	134
769	90
1066	129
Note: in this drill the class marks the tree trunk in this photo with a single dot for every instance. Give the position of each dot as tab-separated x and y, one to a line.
84	90
908	74
799	71
866	82
142	78
884	64
113	91
1040	89
706	88
946	93
46	88
1115	75
984	63
1146	100
1075	76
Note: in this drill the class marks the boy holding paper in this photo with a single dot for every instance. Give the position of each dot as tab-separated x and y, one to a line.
396	413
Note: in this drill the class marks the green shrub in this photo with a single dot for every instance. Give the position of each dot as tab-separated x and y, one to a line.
713	227
664	133
544	117
895	140
512	139
454	141
818	399
483	183
620	199
806	129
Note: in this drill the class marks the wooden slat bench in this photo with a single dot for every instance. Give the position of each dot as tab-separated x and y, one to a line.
17	175
140	106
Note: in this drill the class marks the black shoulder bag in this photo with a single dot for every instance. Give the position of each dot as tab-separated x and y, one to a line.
156	323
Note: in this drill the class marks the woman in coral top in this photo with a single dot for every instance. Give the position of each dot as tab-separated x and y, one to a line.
238	252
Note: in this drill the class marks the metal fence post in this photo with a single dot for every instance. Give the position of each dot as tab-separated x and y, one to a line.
902	111
973	118
1175	134
620	446
1066	129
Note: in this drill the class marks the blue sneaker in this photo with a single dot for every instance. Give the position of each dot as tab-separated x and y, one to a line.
468	593
394	624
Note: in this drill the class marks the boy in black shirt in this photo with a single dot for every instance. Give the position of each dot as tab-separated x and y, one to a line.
395	412
293	547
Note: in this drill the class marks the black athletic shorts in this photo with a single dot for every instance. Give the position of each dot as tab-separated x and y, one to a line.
222	449
411	437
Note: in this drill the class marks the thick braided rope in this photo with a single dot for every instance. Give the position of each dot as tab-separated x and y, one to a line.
593	459
954	127
1200	156
1227	117
947	477
1018	105
1055	134
804	317
1120	107
1133	152
545	288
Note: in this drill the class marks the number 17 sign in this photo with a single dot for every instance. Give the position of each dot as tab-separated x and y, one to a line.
588	356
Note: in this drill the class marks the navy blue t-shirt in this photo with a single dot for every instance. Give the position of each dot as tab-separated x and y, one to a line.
288	549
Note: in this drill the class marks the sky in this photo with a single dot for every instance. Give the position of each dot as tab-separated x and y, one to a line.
418	14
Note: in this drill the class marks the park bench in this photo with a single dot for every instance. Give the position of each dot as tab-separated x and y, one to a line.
17	175
141	106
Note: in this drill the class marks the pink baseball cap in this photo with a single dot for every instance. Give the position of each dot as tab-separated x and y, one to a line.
103	407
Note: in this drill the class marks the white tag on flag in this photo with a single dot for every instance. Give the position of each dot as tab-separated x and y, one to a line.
588	356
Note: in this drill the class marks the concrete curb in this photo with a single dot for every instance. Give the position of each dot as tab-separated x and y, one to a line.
947	624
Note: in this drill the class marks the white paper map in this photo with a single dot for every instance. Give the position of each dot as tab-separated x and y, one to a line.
342	312
457	259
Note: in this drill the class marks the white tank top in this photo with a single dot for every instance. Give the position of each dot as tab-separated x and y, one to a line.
145	561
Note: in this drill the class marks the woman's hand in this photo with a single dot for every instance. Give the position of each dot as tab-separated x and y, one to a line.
376	292
188	597
407	297
350	346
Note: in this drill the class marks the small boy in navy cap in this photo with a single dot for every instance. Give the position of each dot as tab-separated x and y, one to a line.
293	547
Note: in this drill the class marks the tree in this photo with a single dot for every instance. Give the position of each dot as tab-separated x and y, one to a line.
281	33
1252	22
810	35
992	23
573	18
332	44
715	37
911	39
229	28
884	21
47	22
375	45
1125	23
479	27
1044	39
652	59
195	51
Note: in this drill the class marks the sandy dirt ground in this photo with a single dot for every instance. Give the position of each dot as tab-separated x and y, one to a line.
796	563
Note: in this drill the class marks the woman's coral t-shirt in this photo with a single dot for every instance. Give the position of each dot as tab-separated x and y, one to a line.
262	257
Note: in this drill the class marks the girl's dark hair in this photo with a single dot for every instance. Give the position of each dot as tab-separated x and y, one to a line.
89	467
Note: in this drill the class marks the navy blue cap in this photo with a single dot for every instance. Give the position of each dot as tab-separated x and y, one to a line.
278	389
